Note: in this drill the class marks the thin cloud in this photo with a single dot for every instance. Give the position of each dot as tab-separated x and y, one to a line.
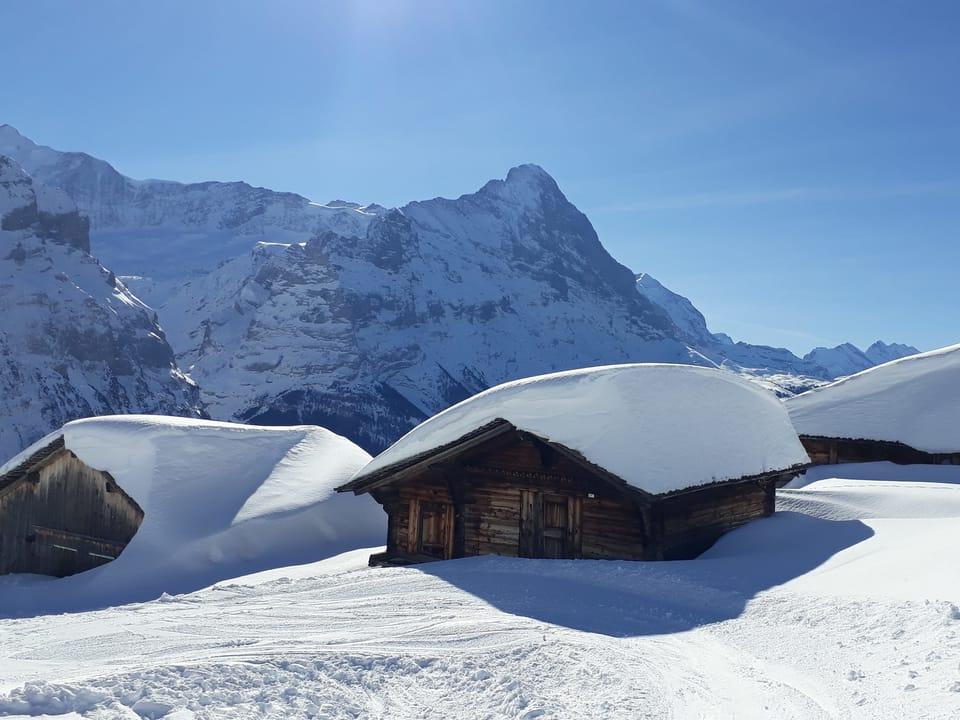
708	199
748	198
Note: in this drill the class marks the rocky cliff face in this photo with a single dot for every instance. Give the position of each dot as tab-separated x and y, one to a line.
73	341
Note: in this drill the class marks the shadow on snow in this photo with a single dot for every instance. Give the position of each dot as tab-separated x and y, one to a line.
624	599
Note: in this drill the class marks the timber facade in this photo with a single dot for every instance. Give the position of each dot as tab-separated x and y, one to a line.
58	516
834	451
503	491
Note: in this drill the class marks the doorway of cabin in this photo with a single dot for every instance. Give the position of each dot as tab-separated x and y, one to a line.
549	525
433	528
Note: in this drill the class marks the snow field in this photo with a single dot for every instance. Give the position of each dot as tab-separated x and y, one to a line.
782	618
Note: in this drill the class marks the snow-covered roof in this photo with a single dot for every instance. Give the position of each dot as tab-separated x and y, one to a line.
914	400
661	428
25	455
219	500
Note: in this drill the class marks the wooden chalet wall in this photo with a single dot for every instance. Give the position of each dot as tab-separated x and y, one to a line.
833	451
519	496
689	523
63	517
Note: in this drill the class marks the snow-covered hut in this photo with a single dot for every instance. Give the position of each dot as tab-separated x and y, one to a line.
624	461
904	411
58	515
189	502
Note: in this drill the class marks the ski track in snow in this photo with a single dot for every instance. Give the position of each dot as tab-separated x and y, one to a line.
337	639
342	646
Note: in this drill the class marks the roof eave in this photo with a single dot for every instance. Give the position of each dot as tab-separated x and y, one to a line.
363	483
42	454
758	477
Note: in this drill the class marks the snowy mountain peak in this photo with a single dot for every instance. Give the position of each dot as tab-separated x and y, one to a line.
369	331
880	352
847	358
11	137
529	173
526	185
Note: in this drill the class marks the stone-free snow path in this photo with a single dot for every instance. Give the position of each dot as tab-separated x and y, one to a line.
808	614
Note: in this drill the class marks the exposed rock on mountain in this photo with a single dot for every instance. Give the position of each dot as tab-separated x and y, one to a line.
73	340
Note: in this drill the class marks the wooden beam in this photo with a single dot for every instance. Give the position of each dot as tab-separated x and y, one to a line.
515	474
413	529
455	487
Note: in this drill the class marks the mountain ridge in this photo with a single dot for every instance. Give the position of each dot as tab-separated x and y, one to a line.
369	319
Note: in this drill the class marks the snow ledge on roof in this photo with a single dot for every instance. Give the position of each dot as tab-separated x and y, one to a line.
914	400
661	428
25	454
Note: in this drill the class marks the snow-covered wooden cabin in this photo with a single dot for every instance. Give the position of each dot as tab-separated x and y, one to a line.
619	462
905	411
59	516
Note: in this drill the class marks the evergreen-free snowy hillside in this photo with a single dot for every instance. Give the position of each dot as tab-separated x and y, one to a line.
843	605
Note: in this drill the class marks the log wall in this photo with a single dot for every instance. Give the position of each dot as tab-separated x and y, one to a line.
613	530
402	507
505	498
487	491
689	523
63	518
832	451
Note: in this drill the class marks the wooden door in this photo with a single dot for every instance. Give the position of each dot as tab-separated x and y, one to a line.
549	525
431	525
556	526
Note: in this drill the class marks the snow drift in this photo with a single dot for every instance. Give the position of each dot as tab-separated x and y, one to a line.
914	400
660	428
219	500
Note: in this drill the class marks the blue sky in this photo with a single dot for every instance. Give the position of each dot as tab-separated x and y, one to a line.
792	167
